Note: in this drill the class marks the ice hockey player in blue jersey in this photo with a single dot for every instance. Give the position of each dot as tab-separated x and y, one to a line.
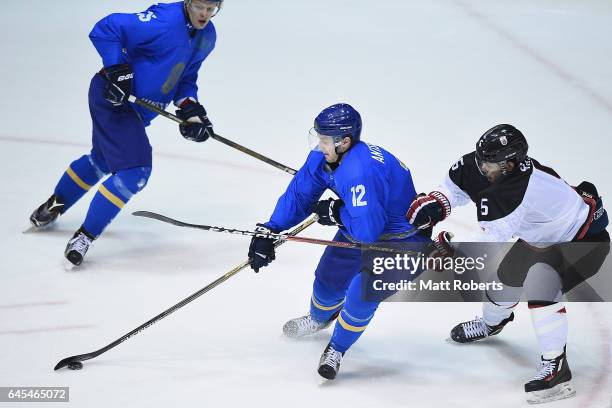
362	175
154	55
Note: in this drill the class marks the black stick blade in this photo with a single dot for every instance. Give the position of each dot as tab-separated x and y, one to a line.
155	216
163	218
74	359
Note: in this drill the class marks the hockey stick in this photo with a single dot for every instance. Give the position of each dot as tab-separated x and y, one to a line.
215	136
74	362
281	237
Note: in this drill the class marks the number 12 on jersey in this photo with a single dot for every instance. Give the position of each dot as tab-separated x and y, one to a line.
358	193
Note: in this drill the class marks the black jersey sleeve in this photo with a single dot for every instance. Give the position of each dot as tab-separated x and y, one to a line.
466	176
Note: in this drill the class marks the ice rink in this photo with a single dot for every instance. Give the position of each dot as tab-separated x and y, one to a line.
429	77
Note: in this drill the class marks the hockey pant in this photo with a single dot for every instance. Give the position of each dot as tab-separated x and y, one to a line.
337	289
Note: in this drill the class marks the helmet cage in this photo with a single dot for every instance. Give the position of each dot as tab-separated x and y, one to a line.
189	4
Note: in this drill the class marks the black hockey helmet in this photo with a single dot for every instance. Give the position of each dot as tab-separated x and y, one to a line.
500	144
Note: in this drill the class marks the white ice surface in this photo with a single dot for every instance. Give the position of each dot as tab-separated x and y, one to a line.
428	78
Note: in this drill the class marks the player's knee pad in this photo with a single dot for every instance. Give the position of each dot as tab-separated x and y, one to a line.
356	306
325	300
85	171
543	283
131	181
326	294
99	166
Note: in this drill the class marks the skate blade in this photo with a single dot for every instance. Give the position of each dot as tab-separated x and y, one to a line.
69	266
35	228
558	392
449	340
30	229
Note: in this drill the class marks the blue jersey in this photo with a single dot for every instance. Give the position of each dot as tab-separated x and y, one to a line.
163	48
375	186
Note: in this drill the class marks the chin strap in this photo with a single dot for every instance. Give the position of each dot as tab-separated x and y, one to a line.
504	167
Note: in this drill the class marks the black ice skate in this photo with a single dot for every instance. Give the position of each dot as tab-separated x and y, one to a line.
329	365
47	213
477	329
77	247
552	382
305	325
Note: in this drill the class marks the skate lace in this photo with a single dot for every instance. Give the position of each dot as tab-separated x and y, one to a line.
307	323
332	357
80	244
547	367
476	327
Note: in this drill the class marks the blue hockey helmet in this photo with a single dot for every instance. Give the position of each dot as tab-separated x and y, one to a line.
339	121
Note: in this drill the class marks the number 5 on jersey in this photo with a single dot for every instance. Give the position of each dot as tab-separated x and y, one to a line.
484	208
358	193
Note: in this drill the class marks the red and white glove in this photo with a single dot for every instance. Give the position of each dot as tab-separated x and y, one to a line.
441	248
428	210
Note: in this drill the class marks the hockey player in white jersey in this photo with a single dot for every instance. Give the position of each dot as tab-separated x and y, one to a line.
517	197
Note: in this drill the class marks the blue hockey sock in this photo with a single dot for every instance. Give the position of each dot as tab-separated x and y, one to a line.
112	195
325	301
353	319
81	175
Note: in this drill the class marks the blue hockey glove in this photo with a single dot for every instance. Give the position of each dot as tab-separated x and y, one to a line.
328	211
261	250
199	127
119	85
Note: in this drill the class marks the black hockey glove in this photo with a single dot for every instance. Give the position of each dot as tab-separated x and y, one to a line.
119	85
199	128
328	211
428	210
261	250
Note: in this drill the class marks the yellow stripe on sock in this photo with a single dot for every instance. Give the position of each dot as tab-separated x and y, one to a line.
77	179
350	327
111	197
321	307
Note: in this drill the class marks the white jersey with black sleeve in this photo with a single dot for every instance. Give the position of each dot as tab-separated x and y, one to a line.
532	203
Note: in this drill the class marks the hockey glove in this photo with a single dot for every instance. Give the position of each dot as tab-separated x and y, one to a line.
261	250
441	248
328	211
119	85
428	210
199	128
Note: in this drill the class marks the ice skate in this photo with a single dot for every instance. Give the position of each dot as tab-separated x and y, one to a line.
77	247
329	364
45	215
305	326
552	382
477	329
